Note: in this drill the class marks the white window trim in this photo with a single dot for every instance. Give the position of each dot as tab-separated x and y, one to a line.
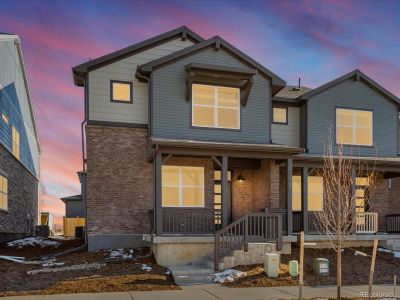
355	127
180	187
216	106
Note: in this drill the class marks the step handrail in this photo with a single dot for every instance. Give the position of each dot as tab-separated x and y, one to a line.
251	227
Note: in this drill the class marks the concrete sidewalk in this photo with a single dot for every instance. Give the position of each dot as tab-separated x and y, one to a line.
213	292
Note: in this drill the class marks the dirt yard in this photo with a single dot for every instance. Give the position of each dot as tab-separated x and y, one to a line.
355	269
79	272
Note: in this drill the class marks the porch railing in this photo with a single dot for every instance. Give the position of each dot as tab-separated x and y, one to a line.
367	222
190	220
393	223
253	227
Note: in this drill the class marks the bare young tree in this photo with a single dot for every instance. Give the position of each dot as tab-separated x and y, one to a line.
338	218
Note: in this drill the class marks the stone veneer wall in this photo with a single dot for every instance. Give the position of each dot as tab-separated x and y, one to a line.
22	198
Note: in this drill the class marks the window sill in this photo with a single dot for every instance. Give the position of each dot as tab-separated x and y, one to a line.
216	128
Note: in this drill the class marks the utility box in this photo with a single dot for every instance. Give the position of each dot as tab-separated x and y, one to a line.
293	268
271	264
321	266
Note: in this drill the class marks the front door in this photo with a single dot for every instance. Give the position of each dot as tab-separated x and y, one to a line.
218	198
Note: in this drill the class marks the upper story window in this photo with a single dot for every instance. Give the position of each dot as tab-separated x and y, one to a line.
182	186
354	127
280	115
215	106
121	91
4	118
3	193
15	142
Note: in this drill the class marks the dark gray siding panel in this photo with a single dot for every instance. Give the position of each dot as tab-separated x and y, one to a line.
74	209
172	113
355	95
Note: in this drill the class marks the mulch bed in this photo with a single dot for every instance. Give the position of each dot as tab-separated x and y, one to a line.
355	269
117	275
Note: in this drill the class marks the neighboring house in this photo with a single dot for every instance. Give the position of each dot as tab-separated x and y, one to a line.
47	219
190	141
19	145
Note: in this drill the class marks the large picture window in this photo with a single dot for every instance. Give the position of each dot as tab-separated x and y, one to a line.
182	186
3	193
354	127
215	106
315	193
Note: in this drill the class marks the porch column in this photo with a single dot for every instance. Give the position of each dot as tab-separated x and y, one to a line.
289	173
158	193
224	190
304	198
353	193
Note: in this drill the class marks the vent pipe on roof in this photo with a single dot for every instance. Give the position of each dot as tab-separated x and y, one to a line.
298	88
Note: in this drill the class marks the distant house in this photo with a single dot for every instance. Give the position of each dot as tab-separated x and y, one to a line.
75	209
19	145
47	218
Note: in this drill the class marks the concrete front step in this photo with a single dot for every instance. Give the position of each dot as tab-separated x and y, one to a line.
193	274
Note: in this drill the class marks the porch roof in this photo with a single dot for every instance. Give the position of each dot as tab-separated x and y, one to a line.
212	145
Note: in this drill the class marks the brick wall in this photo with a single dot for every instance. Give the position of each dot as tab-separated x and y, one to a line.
259	190
120	188
22	196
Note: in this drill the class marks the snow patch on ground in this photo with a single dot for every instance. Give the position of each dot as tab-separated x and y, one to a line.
228	275
85	266
168	272
146	268
33	241
121	253
395	253
52	262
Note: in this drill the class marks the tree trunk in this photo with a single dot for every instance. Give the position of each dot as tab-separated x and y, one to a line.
339	271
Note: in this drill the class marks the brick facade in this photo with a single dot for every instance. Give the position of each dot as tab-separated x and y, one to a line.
120	186
259	190
22	211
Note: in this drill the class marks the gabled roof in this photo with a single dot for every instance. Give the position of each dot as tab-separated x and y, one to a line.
277	82
357	75
291	92
81	70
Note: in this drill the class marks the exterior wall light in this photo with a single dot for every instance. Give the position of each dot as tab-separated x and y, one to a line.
240	178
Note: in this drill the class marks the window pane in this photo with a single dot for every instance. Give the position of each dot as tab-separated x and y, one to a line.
217	188
344	117
217	175
228	118
4	117
315	193
203	94
5	185
217	198
203	116
15	142
170	196
362	181
364	119
363	136
360	193
193	176
121	91
228	97
170	176
360	202
296	193
279	115
345	135
192	197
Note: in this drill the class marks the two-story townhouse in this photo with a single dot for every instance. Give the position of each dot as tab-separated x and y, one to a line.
193	146
19	145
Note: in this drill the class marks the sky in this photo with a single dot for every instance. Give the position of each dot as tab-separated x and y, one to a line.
314	40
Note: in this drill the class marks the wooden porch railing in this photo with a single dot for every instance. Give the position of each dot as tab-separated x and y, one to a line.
367	222
254	227
190	220
393	223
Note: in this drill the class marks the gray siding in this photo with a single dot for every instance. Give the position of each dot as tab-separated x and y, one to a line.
354	95
15	104
74	209
172	113
100	107
288	134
